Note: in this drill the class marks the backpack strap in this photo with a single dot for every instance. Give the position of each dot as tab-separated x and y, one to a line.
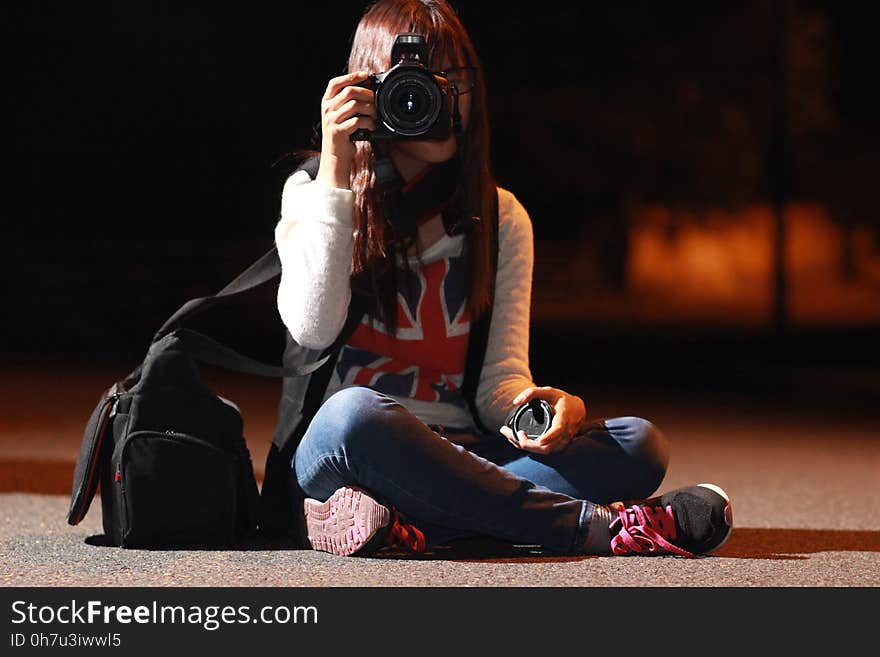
265	269
207	350
201	347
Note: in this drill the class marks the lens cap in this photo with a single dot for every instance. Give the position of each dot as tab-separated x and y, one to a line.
533	417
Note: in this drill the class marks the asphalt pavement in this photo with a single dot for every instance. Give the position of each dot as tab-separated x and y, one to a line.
803	479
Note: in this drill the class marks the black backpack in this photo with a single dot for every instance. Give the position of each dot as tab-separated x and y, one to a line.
170	454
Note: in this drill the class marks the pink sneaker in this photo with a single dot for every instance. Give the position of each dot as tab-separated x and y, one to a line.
684	522
352	523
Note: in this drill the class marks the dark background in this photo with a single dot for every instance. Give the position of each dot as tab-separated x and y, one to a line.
141	164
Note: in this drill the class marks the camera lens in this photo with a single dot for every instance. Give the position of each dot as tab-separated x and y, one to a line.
409	102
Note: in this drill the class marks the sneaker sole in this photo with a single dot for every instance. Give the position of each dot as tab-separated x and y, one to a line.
728	513
347	523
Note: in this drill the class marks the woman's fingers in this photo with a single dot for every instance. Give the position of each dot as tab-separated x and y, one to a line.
342	99
351	108
337	84
554	437
345	109
546	444
536	392
352	115
348	126
519	440
351	96
552	434
508	433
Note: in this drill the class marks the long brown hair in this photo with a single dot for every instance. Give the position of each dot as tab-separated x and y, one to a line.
374	253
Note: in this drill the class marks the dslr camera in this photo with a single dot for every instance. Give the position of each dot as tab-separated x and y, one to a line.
412	102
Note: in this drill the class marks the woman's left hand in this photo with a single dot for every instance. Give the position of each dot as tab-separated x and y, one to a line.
569	416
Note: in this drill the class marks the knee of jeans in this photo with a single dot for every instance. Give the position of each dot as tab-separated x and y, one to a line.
350	414
650	447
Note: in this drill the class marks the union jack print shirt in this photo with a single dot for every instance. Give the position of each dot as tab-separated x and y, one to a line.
422	365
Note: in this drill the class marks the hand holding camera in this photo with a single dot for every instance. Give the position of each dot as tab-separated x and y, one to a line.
345	109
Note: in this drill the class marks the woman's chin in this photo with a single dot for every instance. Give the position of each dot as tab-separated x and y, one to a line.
430	151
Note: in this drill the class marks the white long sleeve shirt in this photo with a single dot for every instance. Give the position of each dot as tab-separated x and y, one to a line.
422	365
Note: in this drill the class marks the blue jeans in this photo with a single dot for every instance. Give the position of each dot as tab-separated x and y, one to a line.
363	438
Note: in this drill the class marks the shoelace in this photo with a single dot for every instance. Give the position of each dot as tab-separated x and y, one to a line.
406	536
646	530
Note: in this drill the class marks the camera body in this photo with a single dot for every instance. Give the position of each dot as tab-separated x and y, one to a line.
412	102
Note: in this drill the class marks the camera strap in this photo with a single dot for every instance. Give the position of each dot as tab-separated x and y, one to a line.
409	204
